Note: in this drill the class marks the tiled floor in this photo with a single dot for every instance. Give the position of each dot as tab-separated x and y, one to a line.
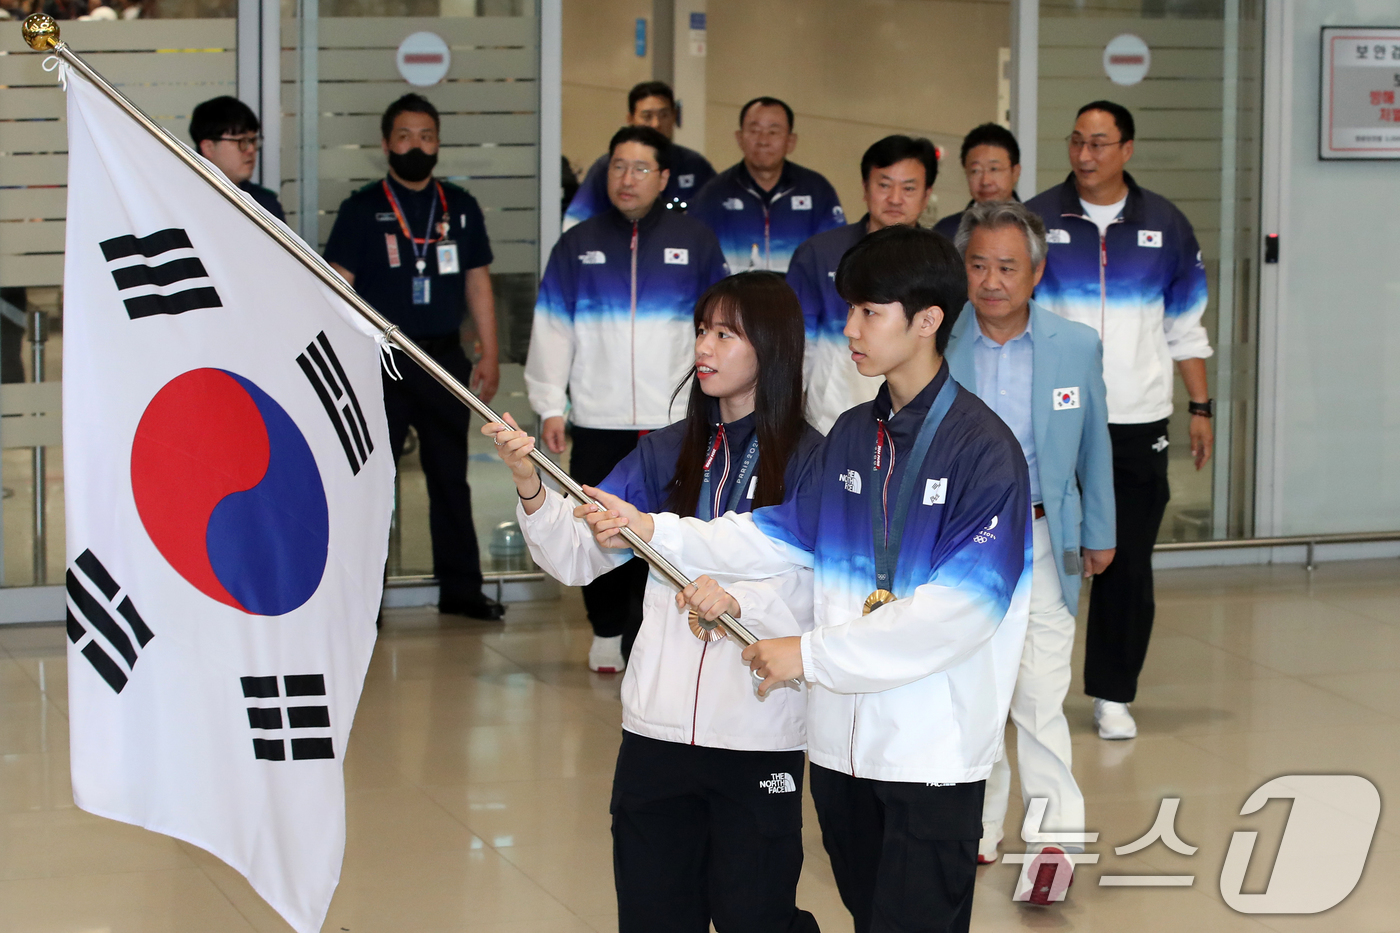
479	769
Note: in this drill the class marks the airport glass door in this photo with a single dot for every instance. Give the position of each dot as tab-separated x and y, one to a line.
489	102
1198	115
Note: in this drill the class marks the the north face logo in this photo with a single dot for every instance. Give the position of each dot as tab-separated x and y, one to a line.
851	480
780	783
594	257
733	204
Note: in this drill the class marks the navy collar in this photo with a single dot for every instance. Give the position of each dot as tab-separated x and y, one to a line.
918	406
746	180
404	193
739	428
645	223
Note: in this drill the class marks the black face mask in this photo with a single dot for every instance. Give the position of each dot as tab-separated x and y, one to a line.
413	165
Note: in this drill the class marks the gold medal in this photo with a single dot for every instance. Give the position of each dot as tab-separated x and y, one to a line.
702	633
877	599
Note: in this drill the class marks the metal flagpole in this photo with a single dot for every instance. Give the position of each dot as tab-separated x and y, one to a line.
41	33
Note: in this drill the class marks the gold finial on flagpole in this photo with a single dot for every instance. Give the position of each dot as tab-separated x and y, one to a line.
41	32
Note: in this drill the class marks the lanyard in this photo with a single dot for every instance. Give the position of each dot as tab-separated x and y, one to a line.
427	238
708	503
887	535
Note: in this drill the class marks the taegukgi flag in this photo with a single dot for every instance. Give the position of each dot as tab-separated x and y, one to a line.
229	490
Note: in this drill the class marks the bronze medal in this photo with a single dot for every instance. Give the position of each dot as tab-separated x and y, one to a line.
699	631
877	599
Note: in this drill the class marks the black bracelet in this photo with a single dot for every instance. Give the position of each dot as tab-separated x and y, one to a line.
537	492
1205	409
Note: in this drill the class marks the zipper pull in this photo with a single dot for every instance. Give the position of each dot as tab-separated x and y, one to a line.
1103	250
634	236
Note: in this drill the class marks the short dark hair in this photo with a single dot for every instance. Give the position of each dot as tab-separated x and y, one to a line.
1121	117
647	137
765	102
911	265
409	103
894	149
220	117
991	134
649	89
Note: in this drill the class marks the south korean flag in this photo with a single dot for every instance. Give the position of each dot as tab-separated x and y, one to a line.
229	487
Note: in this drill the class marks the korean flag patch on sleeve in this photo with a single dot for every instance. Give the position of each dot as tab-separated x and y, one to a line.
1151	238
677	257
1066	398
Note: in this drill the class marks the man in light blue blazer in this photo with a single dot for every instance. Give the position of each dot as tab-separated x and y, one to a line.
1044	376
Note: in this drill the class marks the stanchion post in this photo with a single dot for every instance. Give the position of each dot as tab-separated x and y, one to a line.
38	337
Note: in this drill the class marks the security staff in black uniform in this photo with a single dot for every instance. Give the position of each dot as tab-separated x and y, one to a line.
416	249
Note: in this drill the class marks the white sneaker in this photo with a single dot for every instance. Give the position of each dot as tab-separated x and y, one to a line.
987	845
605	656
1114	720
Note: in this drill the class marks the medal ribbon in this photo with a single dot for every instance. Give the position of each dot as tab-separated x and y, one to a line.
413	241
708	504
886	534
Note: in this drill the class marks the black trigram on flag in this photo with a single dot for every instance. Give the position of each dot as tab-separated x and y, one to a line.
323	370
110	636
155	282
269	718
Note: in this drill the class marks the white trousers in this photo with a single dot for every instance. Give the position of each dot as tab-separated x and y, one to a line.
1037	709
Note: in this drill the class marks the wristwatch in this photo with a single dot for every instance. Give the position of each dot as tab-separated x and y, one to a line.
1205	409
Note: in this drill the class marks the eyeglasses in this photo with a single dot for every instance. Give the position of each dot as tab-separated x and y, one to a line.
1095	148
636	169
244	143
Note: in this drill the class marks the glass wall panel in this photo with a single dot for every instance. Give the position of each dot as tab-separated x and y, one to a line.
1197	113
489	103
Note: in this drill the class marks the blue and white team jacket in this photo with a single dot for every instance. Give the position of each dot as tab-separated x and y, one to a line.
614	330
678	688
917	691
761	230
829	374
1141	286
689	173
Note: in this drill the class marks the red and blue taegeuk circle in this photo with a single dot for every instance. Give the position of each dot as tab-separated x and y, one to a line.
228	489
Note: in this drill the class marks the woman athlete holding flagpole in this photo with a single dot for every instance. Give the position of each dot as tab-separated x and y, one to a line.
707	797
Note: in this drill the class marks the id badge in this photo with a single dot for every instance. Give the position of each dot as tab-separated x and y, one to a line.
422	290
447	258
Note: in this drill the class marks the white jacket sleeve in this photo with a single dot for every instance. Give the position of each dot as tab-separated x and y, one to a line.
776	607
552	342
731	544
563	546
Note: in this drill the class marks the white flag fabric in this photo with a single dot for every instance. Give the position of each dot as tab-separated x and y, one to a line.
229	489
